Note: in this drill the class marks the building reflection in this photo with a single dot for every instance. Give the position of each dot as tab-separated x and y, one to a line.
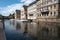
23	27
41	31
47	31
17	25
32	29
12	23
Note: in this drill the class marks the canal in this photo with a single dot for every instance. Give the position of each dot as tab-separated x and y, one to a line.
31	30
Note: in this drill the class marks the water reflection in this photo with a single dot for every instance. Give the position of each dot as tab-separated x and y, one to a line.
17	25
32	31
48	31
14	31
32	28
44	30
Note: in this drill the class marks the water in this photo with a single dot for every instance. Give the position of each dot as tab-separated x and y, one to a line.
32	31
13	31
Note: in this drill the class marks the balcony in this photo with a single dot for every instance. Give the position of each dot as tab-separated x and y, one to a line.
49	3
45	10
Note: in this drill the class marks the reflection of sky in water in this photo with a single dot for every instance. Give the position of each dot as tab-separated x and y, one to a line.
10	27
14	33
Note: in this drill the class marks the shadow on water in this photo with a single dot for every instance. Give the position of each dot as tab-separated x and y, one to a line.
32	31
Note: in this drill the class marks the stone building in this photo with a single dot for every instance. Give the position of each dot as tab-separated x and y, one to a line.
49	10
32	11
24	12
17	14
25	9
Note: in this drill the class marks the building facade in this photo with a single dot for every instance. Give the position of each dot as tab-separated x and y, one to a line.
32	11
17	14
48	10
24	12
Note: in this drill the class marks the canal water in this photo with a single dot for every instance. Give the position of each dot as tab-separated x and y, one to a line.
31	30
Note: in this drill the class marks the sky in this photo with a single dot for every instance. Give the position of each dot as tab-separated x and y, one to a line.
8	7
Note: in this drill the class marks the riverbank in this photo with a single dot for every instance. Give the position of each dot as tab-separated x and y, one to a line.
2	33
52	20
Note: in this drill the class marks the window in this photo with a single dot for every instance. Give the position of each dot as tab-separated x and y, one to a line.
50	7
54	6
51	13
30	14
54	13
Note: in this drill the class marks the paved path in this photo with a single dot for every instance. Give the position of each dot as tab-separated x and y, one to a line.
2	33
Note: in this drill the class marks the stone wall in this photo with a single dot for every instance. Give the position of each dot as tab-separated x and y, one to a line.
49	19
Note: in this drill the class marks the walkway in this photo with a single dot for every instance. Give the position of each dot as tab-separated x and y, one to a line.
2	33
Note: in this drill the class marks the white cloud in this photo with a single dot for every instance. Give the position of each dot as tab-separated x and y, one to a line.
9	9
27	2
23	0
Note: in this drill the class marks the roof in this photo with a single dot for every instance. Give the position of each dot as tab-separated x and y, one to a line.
33	3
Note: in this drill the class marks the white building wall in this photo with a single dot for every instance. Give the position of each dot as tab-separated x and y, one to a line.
23	17
32	10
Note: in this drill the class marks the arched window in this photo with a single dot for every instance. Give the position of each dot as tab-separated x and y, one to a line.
54	13
51	13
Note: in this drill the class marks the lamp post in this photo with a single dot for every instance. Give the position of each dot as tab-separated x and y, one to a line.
3	22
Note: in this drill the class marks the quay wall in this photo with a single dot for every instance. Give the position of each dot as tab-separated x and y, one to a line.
48	20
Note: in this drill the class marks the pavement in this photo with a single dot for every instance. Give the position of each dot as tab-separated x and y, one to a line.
2	33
